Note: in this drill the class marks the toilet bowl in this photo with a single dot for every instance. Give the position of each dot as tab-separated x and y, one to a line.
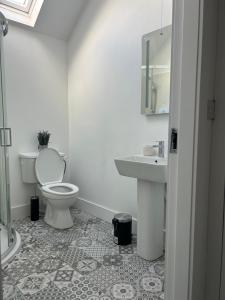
49	169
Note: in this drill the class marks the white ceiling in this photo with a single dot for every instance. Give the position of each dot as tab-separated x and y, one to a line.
57	18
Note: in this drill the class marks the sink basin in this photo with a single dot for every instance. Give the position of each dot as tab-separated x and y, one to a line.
150	168
151	174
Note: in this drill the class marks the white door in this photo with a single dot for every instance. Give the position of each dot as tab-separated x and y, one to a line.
193	61
182	117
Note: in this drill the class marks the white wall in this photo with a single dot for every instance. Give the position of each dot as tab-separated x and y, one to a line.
104	91
36	95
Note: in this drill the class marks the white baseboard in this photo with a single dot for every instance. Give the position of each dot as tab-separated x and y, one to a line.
20	212
100	211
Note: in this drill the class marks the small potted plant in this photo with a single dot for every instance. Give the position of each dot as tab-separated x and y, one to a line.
43	139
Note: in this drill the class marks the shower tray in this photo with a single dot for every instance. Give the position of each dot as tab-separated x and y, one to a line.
8	252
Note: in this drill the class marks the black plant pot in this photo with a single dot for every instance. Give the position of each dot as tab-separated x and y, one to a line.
41	147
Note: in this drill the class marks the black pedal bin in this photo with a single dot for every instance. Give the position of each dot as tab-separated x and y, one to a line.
122	224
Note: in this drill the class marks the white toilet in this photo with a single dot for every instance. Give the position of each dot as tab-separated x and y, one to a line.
47	169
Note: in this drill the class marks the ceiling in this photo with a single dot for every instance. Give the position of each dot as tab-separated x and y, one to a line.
57	18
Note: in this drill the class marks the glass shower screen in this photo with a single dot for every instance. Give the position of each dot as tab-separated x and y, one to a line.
7	236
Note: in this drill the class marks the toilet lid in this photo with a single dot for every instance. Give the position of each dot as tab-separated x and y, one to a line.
49	166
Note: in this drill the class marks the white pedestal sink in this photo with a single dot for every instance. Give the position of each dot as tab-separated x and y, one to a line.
151	180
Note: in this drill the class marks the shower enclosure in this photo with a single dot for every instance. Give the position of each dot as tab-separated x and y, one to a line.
9	239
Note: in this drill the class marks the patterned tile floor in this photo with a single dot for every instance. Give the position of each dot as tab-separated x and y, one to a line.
79	263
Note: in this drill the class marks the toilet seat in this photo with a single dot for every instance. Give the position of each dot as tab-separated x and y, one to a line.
49	167
60	189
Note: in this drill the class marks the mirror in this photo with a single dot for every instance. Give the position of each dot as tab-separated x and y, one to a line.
155	69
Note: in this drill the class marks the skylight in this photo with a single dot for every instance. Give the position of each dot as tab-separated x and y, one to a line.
21	2
21	11
22	5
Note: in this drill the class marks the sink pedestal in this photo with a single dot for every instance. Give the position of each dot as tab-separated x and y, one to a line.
150	221
151	173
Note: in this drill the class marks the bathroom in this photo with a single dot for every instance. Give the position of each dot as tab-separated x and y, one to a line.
77	69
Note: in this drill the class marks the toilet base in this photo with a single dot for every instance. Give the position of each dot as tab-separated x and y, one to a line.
57	217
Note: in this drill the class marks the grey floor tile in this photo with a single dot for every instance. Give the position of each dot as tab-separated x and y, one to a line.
82	262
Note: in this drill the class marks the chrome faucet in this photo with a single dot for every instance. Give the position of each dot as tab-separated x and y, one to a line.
161	148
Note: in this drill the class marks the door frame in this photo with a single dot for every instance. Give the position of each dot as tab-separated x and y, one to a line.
188	114
222	283
216	218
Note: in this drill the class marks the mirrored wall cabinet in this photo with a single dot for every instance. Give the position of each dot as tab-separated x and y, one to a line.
155	69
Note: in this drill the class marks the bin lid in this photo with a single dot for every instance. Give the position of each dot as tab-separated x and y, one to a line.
123	217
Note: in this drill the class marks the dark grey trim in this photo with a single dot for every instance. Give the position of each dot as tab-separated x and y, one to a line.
3	24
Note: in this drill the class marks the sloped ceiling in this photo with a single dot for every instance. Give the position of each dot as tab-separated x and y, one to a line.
57	18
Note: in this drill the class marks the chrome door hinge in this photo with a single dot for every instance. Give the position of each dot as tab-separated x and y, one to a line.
211	110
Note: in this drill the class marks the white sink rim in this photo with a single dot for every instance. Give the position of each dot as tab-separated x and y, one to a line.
149	168
144	159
